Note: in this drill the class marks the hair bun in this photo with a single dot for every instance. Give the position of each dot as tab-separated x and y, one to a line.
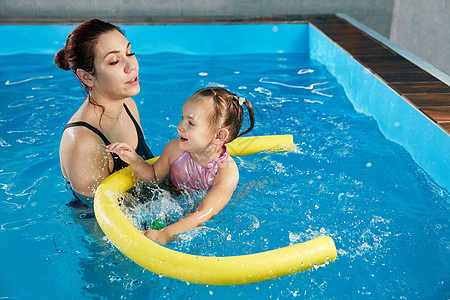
61	59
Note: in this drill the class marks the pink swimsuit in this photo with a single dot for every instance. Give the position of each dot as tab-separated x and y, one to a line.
187	173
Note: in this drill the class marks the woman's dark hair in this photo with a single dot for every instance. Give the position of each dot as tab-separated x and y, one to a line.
79	51
228	110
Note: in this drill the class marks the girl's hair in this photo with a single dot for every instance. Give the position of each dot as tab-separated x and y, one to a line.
79	51
228	110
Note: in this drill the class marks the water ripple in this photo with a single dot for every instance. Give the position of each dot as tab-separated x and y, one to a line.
17	224
305	71
310	87
8	82
316	91
4	143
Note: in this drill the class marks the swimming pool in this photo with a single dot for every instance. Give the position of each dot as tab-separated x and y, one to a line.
387	214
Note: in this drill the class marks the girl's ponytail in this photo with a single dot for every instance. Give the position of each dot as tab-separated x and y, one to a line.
251	116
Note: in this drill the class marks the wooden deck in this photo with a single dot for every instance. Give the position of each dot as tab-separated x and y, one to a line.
430	95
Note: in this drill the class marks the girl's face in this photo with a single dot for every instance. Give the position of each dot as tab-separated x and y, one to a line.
116	67
195	130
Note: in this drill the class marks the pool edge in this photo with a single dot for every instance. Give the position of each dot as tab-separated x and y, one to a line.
427	98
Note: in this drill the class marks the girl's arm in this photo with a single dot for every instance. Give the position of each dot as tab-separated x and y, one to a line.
223	187
143	170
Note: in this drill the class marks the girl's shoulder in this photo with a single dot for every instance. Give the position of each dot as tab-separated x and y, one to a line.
172	150
227	174
174	144
228	166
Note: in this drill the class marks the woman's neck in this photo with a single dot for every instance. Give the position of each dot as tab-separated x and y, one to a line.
105	108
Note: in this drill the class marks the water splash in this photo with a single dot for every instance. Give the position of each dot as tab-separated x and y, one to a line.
150	202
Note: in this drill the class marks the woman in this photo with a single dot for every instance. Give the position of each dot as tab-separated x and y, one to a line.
101	58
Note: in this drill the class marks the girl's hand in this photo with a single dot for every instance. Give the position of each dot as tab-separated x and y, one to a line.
157	236
125	152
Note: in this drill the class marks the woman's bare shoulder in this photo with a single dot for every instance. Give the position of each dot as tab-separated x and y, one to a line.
79	142
131	104
84	160
79	135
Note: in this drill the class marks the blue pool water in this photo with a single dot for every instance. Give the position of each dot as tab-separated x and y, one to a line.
387	216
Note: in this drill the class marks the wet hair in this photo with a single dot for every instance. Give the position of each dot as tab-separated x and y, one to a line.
227	111
79	51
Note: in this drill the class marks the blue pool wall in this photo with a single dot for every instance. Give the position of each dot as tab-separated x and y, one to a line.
398	120
187	39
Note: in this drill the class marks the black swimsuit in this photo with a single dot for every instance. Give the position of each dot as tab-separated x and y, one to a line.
142	149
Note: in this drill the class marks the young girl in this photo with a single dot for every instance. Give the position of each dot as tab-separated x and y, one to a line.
199	158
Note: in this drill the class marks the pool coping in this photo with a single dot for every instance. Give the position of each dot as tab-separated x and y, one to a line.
417	82
403	73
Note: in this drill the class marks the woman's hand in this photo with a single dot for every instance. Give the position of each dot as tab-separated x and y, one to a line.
125	152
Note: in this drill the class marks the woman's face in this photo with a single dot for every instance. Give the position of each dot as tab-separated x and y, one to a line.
116	67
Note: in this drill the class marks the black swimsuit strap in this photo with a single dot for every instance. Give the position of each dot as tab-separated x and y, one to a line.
92	128
99	133
118	163
138	128
141	148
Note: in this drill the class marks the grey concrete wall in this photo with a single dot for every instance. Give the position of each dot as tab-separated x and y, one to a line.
375	14
423	28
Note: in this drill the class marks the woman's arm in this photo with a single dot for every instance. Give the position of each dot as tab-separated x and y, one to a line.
223	187
84	160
